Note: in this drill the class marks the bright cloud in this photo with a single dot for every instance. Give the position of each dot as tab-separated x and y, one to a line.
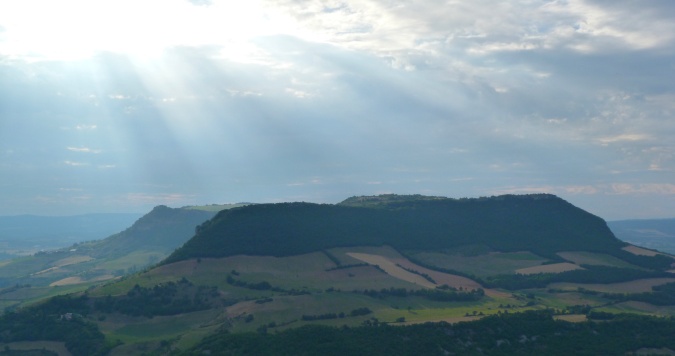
200	101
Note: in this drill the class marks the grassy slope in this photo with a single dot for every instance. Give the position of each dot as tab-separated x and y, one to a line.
308	272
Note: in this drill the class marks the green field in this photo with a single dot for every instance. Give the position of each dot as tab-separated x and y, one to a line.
482	265
590	258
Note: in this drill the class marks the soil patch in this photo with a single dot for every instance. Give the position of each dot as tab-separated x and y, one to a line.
392	269
640	251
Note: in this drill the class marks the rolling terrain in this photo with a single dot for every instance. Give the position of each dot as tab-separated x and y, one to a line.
291	270
24	235
150	239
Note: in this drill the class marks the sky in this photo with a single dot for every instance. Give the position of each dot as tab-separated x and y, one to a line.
118	106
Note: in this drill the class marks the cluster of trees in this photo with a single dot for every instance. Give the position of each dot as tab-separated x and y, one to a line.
506	334
263	285
543	224
326	316
58	319
423	275
169	298
437	294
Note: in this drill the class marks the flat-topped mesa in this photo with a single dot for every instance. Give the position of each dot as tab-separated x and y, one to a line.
541	223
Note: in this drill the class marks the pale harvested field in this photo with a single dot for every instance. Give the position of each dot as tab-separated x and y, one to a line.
64	262
77	280
44	271
451	320
552	268
574	318
72	260
642	285
640	251
440	277
392	269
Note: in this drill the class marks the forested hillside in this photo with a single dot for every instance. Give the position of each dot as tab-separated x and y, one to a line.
544	224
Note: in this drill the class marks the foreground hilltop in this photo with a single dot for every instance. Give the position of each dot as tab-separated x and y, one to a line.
541	223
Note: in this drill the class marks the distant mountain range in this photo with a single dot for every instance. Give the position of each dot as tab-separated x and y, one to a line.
27	234
147	241
657	234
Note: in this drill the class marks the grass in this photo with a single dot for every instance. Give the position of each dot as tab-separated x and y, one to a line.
136	258
135	330
591	258
552	268
488	264
638	286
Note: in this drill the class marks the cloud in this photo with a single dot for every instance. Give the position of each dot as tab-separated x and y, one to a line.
623	138
201	2
145	199
644	188
75	164
83	149
566	97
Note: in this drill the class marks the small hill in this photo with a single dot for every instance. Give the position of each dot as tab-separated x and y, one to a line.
541	223
162	230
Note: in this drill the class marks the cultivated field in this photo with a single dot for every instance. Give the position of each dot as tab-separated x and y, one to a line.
638	286
641	251
590	258
392	269
552	268
481	265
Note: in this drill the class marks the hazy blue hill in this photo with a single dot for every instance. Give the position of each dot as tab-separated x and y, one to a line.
148	240
656	234
163	229
541	223
28	233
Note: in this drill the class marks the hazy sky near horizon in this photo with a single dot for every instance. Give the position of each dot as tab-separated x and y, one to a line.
118	106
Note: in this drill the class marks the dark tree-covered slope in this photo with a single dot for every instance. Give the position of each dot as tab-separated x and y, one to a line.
540	223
